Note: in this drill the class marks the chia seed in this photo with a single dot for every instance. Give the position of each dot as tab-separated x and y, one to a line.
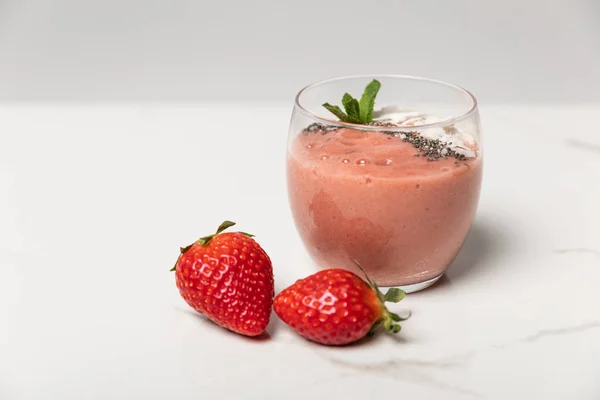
378	123
320	128
432	149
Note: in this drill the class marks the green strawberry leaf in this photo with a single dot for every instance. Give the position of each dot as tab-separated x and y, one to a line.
224	225
335	110
351	107
394	295
206	239
184	249
398	318
367	101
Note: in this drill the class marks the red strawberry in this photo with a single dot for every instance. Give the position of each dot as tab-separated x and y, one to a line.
336	307
228	278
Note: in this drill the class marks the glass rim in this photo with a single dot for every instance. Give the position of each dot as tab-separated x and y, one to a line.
446	122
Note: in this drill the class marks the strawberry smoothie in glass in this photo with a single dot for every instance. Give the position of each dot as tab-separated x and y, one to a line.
389	179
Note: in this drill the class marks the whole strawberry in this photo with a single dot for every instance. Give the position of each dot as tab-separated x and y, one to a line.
337	307
228	278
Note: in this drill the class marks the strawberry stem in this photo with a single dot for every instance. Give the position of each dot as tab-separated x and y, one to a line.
206	239
393	295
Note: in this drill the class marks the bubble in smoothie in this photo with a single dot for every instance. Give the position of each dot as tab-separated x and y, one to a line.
383	162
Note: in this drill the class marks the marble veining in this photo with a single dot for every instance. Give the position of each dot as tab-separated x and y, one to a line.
415	371
422	371
561	331
583	145
578	251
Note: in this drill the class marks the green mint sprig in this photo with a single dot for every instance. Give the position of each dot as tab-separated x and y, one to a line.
357	112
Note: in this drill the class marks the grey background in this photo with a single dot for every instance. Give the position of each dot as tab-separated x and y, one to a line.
185	50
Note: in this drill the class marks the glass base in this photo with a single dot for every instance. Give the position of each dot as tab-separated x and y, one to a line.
415	287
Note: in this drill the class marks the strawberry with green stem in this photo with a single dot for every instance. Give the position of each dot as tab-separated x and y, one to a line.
337	307
228	278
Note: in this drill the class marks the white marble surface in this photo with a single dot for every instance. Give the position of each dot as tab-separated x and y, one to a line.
96	200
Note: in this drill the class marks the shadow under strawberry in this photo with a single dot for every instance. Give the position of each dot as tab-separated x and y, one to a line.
208	324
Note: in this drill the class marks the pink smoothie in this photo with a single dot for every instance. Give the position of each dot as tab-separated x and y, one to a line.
365	196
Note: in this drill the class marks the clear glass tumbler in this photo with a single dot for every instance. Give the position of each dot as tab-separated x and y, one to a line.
397	194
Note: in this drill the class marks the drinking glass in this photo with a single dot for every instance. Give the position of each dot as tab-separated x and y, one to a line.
398	200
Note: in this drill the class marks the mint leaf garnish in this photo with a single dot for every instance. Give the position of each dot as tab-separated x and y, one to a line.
357	112
367	101
337	112
351	107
